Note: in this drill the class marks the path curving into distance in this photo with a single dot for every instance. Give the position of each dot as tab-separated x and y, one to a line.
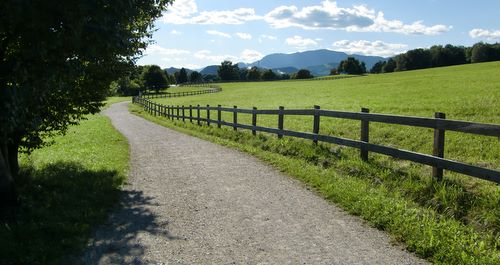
189	201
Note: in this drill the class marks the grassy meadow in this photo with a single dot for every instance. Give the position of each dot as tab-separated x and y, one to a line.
455	221
66	189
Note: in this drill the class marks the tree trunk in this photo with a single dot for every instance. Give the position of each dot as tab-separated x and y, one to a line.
8	193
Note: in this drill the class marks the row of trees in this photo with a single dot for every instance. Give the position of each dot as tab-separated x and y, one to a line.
231	72
437	56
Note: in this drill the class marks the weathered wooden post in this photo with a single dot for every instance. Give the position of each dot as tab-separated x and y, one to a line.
183	114
198	114
191	113
280	121
365	135
438	149
208	115
316	122
235	118
219	116
254	120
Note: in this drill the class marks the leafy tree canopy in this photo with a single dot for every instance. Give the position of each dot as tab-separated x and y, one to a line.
57	60
228	71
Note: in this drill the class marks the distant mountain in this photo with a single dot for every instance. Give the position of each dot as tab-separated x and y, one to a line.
319	62
210	70
307	59
322	69
172	70
285	70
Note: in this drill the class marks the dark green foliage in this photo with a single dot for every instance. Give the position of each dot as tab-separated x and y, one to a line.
195	77
377	68
154	78
302	74
228	72
389	66
58	59
253	74
182	77
334	71
352	66
413	59
268	75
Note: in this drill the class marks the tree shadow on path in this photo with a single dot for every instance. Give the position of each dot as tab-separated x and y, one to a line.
121	240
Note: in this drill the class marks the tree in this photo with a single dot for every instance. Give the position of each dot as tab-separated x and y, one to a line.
268	75
377	67
352	66
334	71
183	77
154	78
303	74
228	72
253	74
56	67
195	77
389	66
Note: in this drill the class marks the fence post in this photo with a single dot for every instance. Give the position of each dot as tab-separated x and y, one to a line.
365	135
191	113
280	121
219	118
438	149
183	114
198	114
208	115
316	123
235	118
254	120
172	112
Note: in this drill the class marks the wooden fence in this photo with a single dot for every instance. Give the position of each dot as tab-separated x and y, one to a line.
440	125
182	94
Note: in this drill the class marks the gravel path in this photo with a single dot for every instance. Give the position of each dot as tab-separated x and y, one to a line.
190	201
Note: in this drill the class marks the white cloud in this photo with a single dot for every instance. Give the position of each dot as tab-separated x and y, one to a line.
175	32
186	12
329	15
158	50
188	66
208	56
485	34
218	33
250	56
375	48
300	42
244	36
266	37
246	56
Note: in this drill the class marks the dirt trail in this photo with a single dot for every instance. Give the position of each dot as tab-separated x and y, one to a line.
190	201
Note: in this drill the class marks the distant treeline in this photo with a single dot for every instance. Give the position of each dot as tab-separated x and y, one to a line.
437	56
152	77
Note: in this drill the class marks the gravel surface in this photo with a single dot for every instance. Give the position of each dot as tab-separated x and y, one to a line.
189	201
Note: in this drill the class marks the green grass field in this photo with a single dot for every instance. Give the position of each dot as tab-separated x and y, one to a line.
66	189
458	204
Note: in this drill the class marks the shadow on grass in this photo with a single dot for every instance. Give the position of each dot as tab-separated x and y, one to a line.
60	204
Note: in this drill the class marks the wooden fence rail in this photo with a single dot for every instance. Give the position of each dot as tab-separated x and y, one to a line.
182	94
440	125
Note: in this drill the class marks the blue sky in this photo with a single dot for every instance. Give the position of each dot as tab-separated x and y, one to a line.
197	33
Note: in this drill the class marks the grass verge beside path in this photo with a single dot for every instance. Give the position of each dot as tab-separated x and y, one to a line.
386	194
66	189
